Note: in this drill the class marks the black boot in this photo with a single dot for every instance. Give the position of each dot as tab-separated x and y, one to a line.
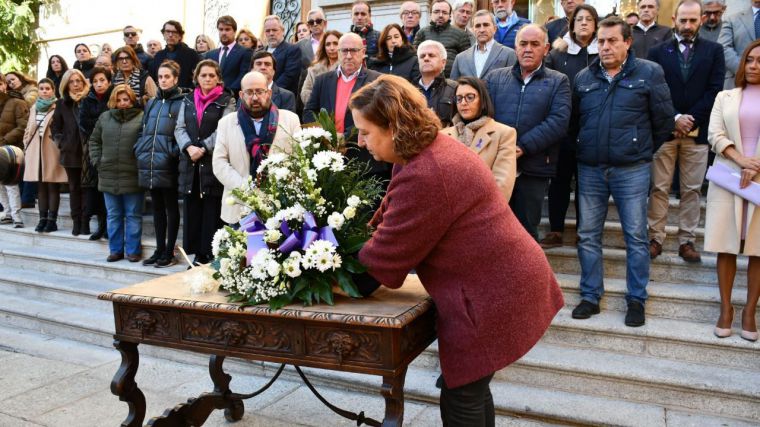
101	231
51	223
85	228
43	222
76	228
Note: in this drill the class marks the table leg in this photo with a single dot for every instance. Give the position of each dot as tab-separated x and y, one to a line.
124	385
235	409
393	392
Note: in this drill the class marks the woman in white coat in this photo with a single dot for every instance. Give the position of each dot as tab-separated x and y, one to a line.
732	225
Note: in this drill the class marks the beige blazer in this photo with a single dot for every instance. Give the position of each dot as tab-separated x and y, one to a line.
495	143
723	216
231	161
42	157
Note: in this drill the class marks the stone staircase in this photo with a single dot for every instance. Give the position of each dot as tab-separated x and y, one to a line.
672	371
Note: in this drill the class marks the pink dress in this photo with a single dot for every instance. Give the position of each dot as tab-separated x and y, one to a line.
749	128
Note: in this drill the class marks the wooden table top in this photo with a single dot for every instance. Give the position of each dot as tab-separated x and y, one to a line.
386	307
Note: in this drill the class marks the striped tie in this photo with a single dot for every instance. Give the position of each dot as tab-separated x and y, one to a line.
757	25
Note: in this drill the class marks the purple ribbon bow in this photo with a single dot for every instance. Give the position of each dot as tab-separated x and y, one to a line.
255	229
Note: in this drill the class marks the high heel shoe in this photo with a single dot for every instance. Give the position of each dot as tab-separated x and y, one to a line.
751	336
724	332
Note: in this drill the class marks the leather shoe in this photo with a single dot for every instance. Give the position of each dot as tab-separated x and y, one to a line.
585	309
688	253
635	316
134	258
655	249
552	239
115	257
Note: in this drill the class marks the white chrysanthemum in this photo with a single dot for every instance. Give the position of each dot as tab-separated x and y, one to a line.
292	267
337	261
311	174
279	173
322	160
219	237
349	212
354	201
273	267
336	220
337	165
324	262
272	224
272	236
276	158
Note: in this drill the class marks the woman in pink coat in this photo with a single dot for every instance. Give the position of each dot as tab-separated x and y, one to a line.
444	216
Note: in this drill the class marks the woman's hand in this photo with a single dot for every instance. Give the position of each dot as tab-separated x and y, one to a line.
747	162
195	153
747	176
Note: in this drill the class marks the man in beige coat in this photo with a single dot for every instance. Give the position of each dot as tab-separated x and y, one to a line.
243	139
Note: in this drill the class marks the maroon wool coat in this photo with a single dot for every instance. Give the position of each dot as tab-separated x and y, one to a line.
494	291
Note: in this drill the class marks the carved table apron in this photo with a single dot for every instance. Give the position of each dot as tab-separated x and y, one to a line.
378	335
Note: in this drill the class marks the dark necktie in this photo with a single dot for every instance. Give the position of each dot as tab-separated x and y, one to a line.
687	48
224	55
757	25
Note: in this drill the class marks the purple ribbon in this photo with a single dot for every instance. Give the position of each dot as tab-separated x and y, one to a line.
255	229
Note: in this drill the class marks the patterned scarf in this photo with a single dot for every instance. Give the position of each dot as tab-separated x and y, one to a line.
258	145
467	131
203	101
134	81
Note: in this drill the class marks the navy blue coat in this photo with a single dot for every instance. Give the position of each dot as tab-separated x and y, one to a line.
283	98
623	122
695	95
237	63
288	70
539	111
157	151
187	59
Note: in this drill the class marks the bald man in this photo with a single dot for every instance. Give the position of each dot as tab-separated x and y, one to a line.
244	139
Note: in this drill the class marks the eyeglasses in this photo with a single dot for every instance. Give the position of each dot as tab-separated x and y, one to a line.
410	13
169	32
351	50
470	98
130	34
124	59
258	92
313	22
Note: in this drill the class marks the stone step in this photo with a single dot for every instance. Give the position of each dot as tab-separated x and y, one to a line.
612	213
77	263
612	237
31	217
668	267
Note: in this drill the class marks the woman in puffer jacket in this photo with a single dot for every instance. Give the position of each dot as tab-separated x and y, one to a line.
157	155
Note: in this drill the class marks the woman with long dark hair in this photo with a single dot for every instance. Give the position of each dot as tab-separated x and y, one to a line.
57	67
325	60
22	84
196	136
395	55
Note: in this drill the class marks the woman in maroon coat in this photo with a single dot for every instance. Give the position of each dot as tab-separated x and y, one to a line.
444	217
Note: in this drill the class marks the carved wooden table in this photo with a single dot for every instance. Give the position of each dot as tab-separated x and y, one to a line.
379	335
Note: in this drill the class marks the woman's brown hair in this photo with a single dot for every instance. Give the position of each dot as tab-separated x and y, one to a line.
172	66
594	15
132	57
207	63
382	46
321	56
118	90
25	80
741	78
248	33
391	102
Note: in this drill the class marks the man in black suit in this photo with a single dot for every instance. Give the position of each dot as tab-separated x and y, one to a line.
264	63
288	56
177	51
333	89
233	59
694	69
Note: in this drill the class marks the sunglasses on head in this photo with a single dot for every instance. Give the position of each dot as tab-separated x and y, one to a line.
312	22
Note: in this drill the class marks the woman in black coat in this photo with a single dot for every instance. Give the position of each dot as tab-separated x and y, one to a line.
66	134
570	54
395	55
57	67
90	109
196	136
85	62
157	156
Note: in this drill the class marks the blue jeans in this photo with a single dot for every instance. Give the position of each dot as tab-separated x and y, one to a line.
123	208
629	187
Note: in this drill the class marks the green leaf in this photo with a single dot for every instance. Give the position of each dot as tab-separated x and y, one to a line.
352	265
347	283
327	295
354	244
235	298
279	301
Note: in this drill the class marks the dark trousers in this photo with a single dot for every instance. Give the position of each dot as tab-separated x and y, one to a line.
76	201
202	217
28	192
95	202
50	198
165	219
470	405
527	199
560	188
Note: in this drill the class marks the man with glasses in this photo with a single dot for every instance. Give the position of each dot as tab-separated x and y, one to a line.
558	27
287	56
453	39
132	39
361	24
309	46
233	59
712	16
538	106
177	51
486	55
244	139
507	22
333	89
264	63
439	91
738	32
410	14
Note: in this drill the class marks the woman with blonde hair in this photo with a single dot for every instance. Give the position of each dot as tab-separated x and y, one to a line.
112	152
68	138
325	60
43	157
203	44
246	39
444	217
732	224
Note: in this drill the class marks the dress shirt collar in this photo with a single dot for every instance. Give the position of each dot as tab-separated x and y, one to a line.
346	78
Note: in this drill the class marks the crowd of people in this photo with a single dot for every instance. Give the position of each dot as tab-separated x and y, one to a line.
620	108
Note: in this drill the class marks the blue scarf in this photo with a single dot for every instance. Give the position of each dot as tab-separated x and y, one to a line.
43	105
258	145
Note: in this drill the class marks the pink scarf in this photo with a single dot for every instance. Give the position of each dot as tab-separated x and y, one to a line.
203	101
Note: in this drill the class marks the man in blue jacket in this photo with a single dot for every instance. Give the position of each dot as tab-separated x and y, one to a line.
536	102
288	56
625	113
233	59
507	22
